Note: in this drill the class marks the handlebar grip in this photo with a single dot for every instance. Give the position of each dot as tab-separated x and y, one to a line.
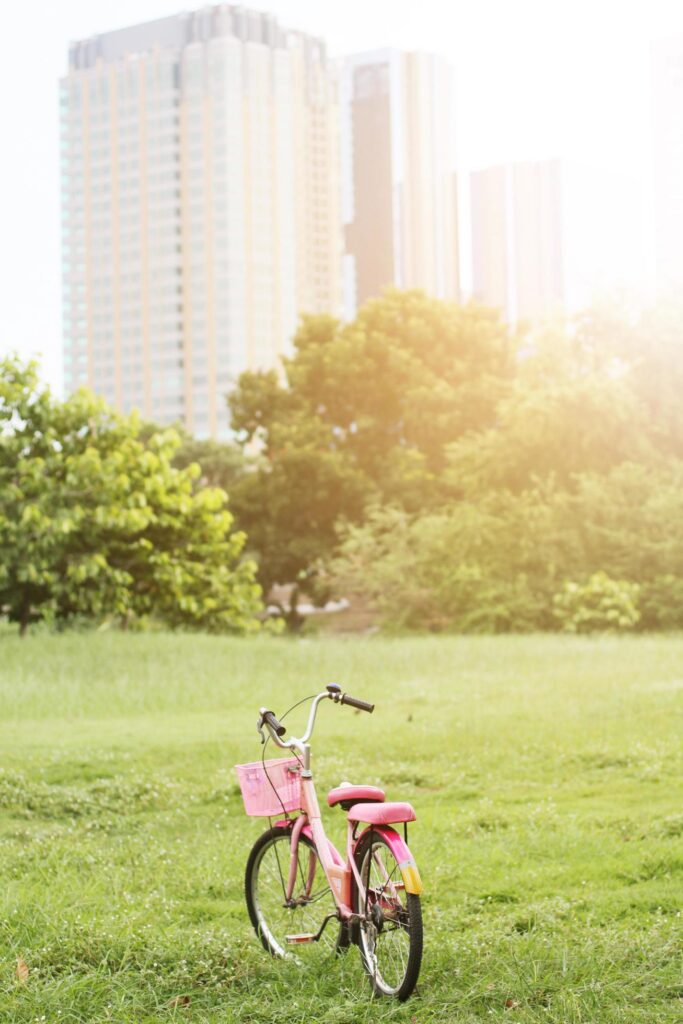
272	721
354	702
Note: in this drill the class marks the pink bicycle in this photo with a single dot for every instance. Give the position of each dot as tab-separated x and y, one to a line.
297	883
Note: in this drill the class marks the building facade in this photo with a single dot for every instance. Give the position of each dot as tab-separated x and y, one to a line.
400	187
550	237
667	122
201	207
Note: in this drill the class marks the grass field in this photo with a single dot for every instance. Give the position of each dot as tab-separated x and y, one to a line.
546	774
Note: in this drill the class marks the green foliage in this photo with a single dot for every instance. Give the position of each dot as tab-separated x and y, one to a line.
222	464
552	430
495	562
291	501
601	604
364	413
473	568
96	523
411	374
628	521
647	345
469	473
661	603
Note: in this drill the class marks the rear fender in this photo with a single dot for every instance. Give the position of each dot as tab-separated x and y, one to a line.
404	858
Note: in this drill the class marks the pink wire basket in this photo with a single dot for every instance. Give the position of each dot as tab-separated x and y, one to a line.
261	795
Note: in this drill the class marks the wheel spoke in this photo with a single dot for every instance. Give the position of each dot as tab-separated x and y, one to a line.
385	935
308	909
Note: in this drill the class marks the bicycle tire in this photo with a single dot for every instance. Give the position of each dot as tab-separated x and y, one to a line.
266	929
406	922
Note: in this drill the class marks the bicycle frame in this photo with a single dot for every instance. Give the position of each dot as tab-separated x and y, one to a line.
342	875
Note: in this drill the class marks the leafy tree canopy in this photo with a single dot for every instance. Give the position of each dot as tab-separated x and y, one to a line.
363	412
648	344
553	429
95	522
410	372
497	561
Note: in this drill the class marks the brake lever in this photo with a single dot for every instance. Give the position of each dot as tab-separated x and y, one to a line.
259	726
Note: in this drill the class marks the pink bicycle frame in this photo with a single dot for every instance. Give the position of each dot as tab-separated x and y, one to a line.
342	876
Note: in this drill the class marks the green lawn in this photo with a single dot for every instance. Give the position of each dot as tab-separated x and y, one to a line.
546	774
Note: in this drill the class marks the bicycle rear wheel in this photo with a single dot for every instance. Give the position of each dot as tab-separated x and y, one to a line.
390	929
265	885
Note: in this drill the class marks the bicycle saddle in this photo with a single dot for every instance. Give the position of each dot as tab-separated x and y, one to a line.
348	795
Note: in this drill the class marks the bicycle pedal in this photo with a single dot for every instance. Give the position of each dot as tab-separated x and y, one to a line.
301	937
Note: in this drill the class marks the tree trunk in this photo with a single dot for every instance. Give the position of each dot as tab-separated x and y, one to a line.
24	619
294	621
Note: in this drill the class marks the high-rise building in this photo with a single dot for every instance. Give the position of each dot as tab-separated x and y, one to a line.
549	237
517	239
201	207
667	121
400	188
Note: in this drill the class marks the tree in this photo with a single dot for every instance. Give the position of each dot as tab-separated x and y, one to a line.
629	524
221	463
290	503
364	413
552	430
487	566
462	437
96	523
497	560
648	344
410	374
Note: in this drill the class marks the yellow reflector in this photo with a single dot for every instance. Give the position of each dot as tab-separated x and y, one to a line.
411	877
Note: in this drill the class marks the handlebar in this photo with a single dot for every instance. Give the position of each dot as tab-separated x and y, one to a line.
277	730
354	702
270	720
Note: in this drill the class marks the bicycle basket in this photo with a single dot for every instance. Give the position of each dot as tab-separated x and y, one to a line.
268	795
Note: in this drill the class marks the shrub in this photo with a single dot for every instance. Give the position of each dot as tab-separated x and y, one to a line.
661	603
468	569
601	604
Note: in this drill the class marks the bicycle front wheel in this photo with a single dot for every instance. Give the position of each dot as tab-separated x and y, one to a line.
390	928
272	915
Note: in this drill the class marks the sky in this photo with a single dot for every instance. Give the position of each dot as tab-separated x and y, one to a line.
535	78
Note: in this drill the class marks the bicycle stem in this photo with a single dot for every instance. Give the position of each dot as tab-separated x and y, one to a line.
300	745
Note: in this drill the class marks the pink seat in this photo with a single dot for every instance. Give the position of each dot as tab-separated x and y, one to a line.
382	814
346	794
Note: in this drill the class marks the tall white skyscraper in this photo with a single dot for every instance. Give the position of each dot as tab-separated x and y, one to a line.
201	207
549	237
667	120
400	192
